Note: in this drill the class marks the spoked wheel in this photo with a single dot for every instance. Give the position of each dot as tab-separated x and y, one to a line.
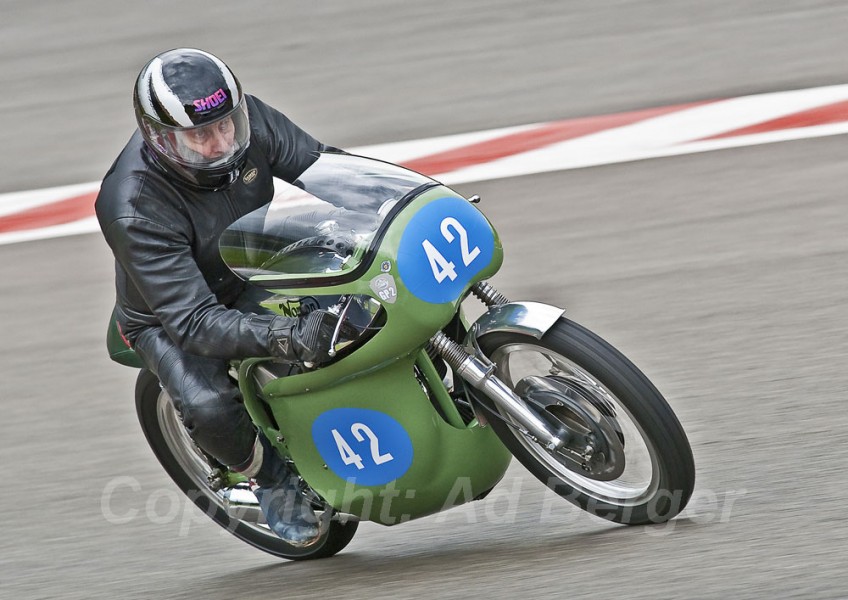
626	456
236	508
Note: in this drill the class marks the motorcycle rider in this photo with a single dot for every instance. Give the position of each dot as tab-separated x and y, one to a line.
204	155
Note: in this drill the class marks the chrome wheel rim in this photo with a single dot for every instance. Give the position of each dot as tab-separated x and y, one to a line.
238	502
640	479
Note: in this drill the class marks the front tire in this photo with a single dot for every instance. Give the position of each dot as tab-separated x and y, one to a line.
189	469
650	471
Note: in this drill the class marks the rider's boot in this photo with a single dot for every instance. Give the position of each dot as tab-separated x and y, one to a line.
286	509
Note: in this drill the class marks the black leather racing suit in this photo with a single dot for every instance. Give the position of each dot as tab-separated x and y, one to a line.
178	305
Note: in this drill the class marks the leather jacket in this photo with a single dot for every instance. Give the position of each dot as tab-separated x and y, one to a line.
164	235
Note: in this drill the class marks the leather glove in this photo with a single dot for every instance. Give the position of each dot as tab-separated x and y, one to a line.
304	339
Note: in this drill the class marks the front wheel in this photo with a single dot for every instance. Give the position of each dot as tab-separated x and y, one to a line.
235	508
626	457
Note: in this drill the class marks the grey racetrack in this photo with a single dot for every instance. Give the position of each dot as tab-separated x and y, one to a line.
722	275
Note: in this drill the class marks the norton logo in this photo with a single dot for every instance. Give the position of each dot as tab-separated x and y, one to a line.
250	175
210	102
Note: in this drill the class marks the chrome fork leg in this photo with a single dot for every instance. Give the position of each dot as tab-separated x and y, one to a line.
480	373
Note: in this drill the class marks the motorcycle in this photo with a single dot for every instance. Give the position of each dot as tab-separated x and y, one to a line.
420	408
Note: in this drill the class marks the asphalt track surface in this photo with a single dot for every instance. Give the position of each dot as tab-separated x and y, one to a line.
722	275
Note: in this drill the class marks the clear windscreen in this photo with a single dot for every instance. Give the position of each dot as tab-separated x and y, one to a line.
324	225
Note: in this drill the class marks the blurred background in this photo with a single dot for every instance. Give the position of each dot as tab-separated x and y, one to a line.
722	275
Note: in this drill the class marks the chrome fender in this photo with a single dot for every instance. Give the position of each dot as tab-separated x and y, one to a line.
526	318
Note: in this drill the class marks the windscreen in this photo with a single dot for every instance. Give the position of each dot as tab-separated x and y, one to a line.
323	225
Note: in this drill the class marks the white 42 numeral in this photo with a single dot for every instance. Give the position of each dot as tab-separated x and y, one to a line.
443	268
349	457
447	224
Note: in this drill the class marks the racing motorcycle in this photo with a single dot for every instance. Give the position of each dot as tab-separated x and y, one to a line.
420	408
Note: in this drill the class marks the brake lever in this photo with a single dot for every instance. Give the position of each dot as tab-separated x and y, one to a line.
348	300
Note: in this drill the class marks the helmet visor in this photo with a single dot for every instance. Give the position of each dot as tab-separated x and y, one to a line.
206	146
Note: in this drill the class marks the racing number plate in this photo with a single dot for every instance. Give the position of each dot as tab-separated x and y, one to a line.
443	247
362	446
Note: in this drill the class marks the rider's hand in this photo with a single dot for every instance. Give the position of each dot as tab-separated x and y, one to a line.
304	339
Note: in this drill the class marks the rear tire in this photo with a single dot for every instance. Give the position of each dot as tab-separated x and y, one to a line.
658	468
189	468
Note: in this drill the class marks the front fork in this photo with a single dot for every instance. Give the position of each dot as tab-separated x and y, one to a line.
520	317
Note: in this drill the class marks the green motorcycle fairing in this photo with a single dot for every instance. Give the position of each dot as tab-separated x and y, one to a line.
374	433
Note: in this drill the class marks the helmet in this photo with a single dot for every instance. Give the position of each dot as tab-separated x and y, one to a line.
191	112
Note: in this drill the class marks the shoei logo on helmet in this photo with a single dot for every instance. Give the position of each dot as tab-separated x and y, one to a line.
210	102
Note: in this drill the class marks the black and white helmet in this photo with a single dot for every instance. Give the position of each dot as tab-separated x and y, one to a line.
191	112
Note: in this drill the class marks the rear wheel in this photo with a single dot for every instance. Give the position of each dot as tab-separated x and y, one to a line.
234	508
626	458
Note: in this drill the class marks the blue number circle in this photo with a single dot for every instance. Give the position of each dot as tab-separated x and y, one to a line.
442	248
362	446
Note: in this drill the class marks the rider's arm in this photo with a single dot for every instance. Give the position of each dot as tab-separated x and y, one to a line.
159	261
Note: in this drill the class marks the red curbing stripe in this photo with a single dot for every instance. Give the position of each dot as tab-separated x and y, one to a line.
822	115
55	213
525	141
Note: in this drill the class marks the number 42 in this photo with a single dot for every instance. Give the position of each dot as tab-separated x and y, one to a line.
349	457
442	267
